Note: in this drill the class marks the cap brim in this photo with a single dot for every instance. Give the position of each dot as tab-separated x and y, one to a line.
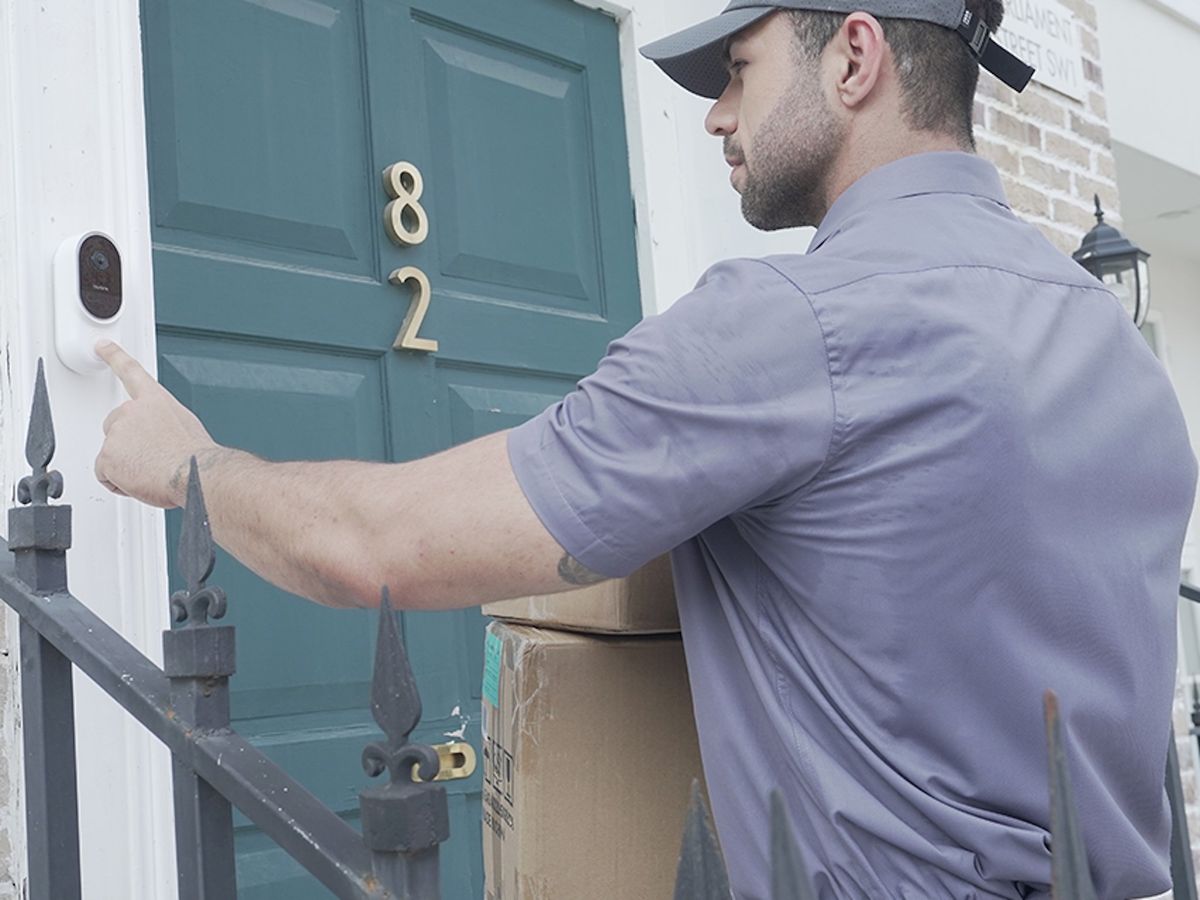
695	57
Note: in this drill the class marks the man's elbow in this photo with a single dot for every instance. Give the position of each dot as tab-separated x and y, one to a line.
363	581
346	576
359	560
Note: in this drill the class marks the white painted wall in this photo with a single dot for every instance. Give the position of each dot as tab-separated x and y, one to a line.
1149	50
1176	300
1176	293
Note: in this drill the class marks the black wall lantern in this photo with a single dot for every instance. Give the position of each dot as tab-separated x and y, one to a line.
1119	263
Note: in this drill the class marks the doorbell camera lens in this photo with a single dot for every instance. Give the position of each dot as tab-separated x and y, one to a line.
100	277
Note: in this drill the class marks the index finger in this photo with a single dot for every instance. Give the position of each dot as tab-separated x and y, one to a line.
137	381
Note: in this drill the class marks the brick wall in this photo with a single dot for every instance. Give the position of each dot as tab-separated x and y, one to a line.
1053	152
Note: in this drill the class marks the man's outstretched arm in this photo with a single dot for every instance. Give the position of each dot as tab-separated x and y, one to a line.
450	530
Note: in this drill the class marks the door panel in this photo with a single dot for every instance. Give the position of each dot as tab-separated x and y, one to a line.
269	124
237	161
272	303
500	114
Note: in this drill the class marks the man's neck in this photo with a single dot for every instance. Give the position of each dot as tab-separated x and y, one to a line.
866	155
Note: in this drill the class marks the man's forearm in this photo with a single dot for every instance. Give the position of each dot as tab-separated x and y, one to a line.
447	531
286	520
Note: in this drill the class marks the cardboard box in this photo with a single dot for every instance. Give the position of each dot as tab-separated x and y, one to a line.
643	603
589	750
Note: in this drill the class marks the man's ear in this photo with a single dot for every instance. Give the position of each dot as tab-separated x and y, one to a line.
860	54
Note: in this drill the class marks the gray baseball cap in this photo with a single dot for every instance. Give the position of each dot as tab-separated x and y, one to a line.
695	57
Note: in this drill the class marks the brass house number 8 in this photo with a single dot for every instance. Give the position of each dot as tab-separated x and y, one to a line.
407	225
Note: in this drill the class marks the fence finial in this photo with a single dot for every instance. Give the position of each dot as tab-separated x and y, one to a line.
196	557
701	874
1071	875
37	488
396	706
404	820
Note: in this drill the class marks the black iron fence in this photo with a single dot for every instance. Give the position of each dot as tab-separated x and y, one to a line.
186	706
404	821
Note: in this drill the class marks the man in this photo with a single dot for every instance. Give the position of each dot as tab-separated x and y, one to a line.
909	480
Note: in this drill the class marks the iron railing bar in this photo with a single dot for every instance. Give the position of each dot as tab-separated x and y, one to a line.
326	846
287	812
90	643
1183	870
1189	592
51	789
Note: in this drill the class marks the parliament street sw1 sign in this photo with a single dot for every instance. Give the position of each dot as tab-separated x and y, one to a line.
1044	34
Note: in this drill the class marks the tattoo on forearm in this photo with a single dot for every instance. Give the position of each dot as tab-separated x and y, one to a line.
179	479
572	571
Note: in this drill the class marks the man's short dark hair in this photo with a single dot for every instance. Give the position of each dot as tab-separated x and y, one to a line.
938	75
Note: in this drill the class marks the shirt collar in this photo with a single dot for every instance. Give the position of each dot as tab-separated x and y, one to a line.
942	172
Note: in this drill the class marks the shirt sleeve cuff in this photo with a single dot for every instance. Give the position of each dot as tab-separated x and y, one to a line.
545	494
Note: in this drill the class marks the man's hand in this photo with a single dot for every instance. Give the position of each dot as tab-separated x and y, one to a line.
149	439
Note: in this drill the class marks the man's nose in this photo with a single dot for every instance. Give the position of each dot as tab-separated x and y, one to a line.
721	120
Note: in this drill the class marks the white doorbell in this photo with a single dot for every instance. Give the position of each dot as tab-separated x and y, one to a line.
87	298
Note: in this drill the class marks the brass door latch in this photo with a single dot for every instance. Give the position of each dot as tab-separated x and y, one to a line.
457	760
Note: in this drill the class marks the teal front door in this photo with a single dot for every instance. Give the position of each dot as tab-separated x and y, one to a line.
270	123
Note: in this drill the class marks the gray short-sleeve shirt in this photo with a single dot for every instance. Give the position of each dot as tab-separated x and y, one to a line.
910	480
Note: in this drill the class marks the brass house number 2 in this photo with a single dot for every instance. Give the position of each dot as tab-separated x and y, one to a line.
407	225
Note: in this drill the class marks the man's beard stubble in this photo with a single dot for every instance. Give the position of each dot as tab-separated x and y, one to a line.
787	179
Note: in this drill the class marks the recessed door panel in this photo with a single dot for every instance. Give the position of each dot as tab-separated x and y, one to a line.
239	166
515	205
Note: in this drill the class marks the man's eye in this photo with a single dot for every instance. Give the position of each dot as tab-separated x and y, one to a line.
735	67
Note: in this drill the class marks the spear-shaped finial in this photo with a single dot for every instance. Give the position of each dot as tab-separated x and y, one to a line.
396	706
1072	877
37	488
196	557
1099	211
701	874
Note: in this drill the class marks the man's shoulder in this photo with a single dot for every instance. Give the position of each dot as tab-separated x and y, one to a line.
744	309
781	292
795	275
818	273
1016	248
730	284
777	276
